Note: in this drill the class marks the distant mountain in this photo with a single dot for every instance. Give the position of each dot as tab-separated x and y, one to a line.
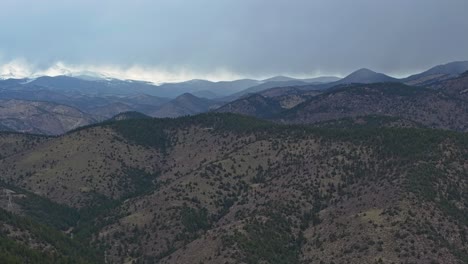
279	79
222	88
71	85
416	104
104	98
253	105
359	76
185	104
323	79
206	94
438	73
365	76
97	105
36	93
411	104
143	99
321	83
41	117
129	115
99	86
268	103
8	83
111	109
263	87
456	87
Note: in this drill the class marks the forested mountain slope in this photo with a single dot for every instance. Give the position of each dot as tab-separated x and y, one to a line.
222	188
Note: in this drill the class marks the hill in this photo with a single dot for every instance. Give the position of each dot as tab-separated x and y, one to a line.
438	73
365	76
185	104
268	103
102	87
456	87
129	115
41	117
431	77
265	86
321	79
389	99
222	188
441	105
253	105
72	85
97	105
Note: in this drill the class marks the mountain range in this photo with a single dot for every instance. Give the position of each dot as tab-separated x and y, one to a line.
373	94
365	169
98	99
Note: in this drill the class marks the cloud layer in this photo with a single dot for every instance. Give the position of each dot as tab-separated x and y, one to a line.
162	40
23	69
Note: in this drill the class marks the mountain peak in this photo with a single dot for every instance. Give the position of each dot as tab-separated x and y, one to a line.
365	75
279	78
363	71
438	72
453	68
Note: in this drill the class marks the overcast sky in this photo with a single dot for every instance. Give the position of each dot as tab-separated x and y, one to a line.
169	40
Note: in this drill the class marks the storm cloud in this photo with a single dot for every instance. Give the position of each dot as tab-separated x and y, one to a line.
225	39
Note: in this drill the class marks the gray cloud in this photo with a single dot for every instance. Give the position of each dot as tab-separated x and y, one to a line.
245	37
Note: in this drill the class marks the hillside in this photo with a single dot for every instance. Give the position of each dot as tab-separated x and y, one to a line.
437	73
456	87
268	103
185	104
41	117
441	105
432	108
273	83
129	115
222	188
253	105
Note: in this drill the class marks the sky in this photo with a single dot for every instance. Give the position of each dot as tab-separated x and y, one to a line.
176	40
